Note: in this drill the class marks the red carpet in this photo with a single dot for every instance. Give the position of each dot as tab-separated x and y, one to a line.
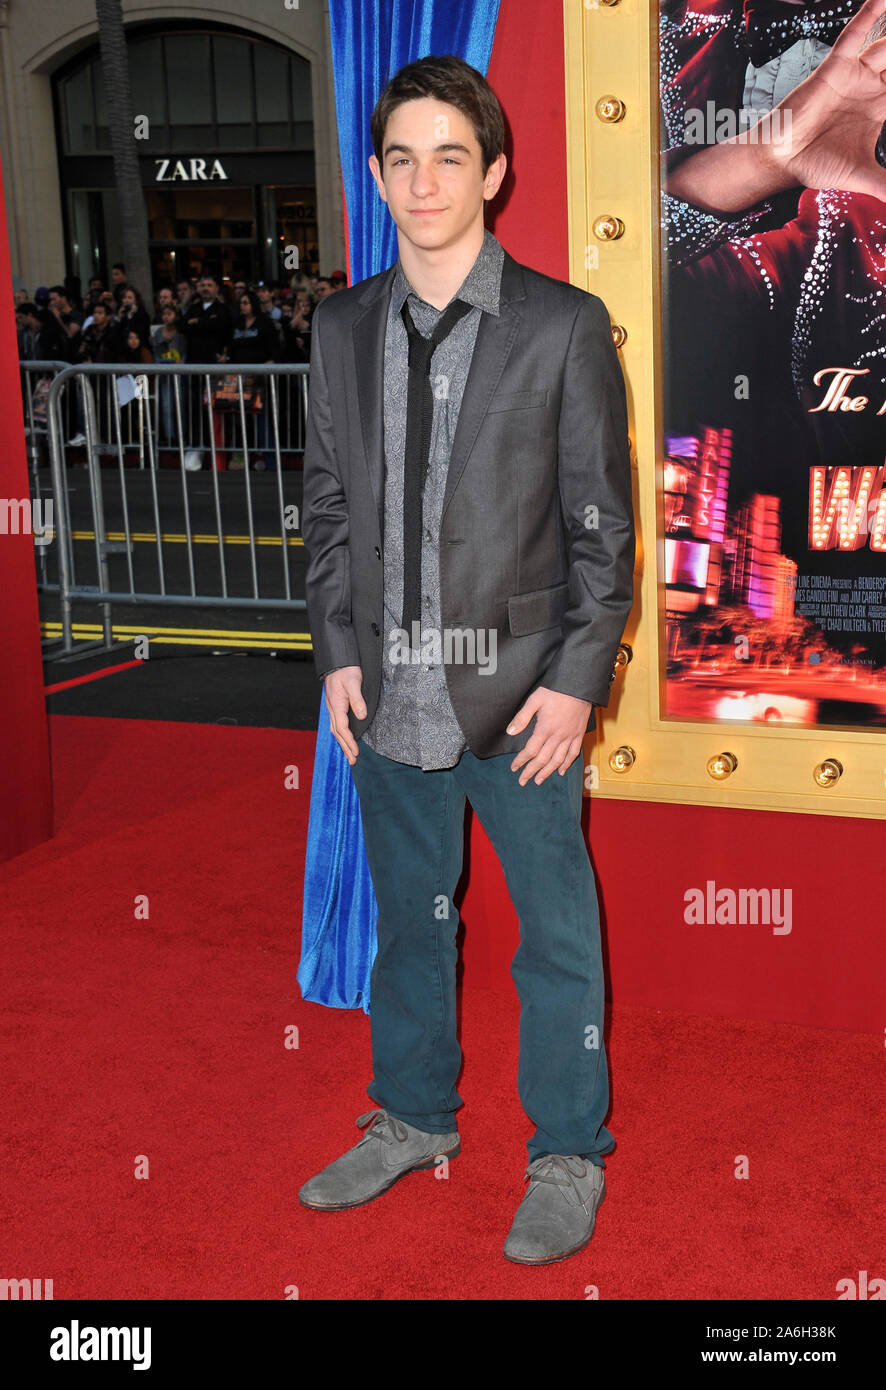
164	1038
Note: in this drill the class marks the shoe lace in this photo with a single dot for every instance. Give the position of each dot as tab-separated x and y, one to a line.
383	1126
556	1168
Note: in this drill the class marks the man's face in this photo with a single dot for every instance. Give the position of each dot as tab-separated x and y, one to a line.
100	315
117	276
55	300
239	288
21	296
184	289
96	285
165	297
431	176
322	289
264	294
206	288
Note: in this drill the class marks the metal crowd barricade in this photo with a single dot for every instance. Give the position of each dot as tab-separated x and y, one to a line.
34	406
250	425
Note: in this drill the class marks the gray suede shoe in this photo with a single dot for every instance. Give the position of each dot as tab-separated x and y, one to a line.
389	1150
556	1217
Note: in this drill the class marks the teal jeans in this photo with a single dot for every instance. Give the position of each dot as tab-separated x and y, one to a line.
413	826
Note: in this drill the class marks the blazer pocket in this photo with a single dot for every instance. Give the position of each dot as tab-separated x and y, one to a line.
535	611
517	400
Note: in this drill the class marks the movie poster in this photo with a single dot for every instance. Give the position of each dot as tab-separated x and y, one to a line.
774	343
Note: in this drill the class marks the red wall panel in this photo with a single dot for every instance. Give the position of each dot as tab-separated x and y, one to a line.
26	801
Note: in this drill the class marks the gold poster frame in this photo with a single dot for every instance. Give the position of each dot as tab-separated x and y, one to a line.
613	184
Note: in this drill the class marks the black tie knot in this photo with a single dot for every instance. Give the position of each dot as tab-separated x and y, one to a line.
421	349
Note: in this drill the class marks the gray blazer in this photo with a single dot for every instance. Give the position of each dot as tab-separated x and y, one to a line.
537	533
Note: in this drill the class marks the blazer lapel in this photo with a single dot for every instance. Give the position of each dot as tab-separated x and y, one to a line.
368	342
495	338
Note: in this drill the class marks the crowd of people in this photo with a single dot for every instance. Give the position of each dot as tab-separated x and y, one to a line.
196	321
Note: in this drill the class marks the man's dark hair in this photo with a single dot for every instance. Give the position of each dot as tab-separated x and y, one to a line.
27	308
59	290
118	265
448	79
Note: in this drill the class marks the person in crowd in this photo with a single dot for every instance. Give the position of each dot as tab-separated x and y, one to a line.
70	318
255	340
41	338
300	280
296	348
99	341
266	298
184	291
94	294
338	280
169	346
207	324
96	286
133	313
105	297
118	280
135	344
322	287
51	340
297	330
27	328
208	327
21	297
163	297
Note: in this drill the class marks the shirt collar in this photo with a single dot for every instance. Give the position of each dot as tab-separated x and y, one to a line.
481	286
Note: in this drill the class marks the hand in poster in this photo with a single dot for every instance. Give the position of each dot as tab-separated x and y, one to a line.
837	113
822	135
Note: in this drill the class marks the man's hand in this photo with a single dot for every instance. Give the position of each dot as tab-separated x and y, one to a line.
344	689
560	725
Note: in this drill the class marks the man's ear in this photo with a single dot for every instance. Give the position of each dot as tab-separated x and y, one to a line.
494	176
375	169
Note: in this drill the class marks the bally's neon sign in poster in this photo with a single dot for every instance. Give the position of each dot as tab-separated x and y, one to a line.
774	344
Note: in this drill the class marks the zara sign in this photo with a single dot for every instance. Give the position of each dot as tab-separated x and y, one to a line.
188	171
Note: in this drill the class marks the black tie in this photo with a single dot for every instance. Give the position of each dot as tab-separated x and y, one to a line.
419	420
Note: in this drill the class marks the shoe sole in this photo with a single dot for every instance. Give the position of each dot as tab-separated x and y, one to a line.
564	1254
364	1201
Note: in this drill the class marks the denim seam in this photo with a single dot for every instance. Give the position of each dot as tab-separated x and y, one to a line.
441	841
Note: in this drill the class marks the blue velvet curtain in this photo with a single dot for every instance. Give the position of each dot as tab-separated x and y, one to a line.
370	42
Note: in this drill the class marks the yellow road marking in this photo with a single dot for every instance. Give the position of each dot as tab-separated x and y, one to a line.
190	636
174	538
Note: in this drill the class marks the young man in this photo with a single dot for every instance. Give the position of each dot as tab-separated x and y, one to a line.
471	545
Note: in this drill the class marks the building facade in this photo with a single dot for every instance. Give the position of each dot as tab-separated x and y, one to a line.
235	120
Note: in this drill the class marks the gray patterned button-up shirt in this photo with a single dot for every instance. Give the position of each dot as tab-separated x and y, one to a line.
414	722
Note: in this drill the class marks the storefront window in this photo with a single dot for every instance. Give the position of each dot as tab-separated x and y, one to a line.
229	131
198	90
77	114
